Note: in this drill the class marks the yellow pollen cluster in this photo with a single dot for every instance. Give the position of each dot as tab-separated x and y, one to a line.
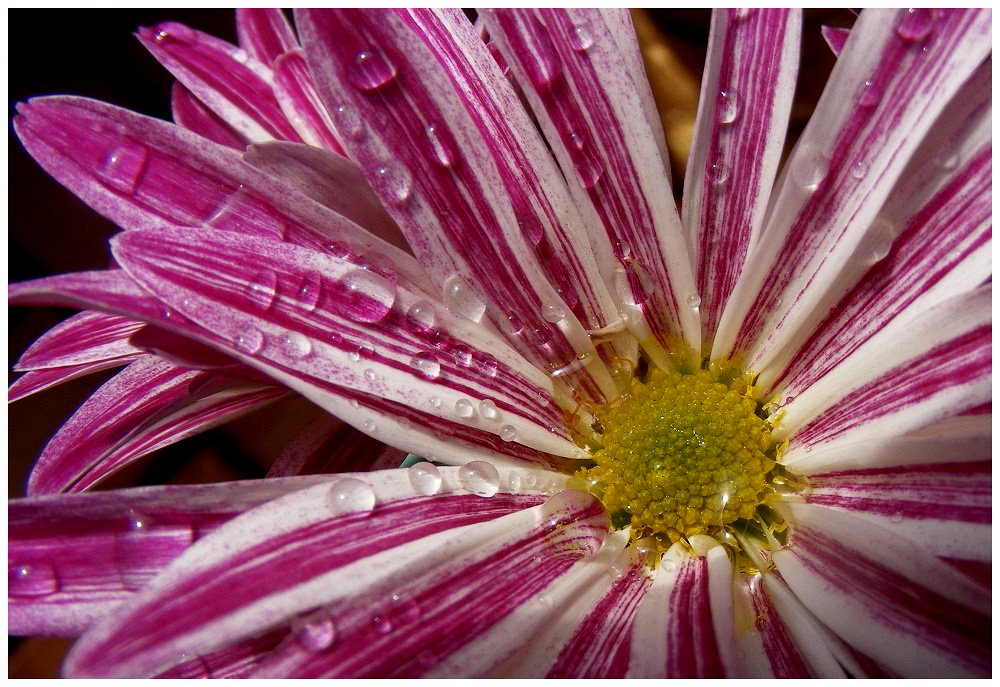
682	454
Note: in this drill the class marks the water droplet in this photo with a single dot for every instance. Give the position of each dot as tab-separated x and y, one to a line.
262	288
425	478
371	70
881	236
360	352
427	365
512	325
488	409
348	122
542	64
576	141
621	249
916	24
488	365
479	477
435	402
633	282
462	355
173	32
339	249
404	611
743	13
948	159
351	495
442	150
859	169
309	291
37	578
896	518
368	426
589	168
296	345
241	56
315	633
382	624
728	107
514	482
395	181
124	166
464	408
370	375
138	522
809	167
580	38
576	523
420	317
694	301
461	299
367	296
669	565
508	433
718	172
553	313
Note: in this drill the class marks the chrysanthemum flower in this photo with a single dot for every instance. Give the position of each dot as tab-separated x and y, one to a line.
749	438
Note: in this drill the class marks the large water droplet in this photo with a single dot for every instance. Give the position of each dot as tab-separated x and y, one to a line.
348	122
718	172
425	478
580	38
916	24
870	95
371	69
694	301
553	313
634	283
262	289
464	408
728	107
488	365
339	249
508	433
459	297
859	169
809	167
621	249
316	632
394	181
367	296
479	477
576	523
124	166
442	150
880	238
462	355
296	345
488	409
403	611
420	317
37	578
350	495
309	291
590	169
427	365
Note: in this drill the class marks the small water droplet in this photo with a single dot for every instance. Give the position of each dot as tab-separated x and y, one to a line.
309	291
459	297
462	355
296	345
173	32
315	633
669	565
442	150
348	122
394	181
370	375
262	289
870	96
420	317
694	301
576	141
479	477
512	325
381	624
488	409
464	408
859	169
124	166
633	282
948	159
351	495
371	69
881	236
514	481
810	167
553	313
508	433
367	296
488	365
368	426
339	249
241	56
621	249
728	107
37	578
580	38
916	24
360	352
403	611
425	478
590	169
427	365
718	172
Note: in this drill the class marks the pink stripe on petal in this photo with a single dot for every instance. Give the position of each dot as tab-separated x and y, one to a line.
692	648
326	444
296	94
88	337
264	33
192	114
33	381
777	642
835	37
237	661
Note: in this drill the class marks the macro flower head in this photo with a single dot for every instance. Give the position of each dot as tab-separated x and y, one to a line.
745	435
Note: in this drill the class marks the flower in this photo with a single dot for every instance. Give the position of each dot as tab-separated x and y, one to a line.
745	440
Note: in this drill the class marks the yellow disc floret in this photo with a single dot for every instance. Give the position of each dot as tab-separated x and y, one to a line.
681	454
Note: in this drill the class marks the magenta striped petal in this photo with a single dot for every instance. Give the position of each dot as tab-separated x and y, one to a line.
226	78
264	33
73	559
776	642
886	596
326	444
87	337
845	164
237	661
33	381
462	173
746	96
141	172
150	404
192	114
297	96
336	554
836	38
570	66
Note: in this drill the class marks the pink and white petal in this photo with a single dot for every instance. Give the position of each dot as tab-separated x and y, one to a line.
297	96
141	172
194	115
329	179
33	381
886	596
443	140
914	62
684	625
835	37
570	65
909	375
746	97
87	337
235	86
931	241
264	33
236	661
325	444
148	405
944	503
73	559
337	545
316	322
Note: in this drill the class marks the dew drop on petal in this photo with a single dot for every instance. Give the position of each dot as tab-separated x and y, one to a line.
315	633
809	167
296	345
948	159
138	522
916	24
462	355
124	166
488	409
367	296
370	376
580	38
37	578
371	69
459	297
743	13
514	482
694	301
633	282
348	122
240	56
350	495
590	169
425	478
427	365
464	408
339	249
512	325
262	289
248	340
368	426
442	151
859	169
508	433
381	624
488	365
871	95
309	291
728	107
174	32
718	172
553	313
394	181
420	317
480	478
435	402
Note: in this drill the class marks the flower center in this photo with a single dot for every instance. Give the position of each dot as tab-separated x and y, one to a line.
681	455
